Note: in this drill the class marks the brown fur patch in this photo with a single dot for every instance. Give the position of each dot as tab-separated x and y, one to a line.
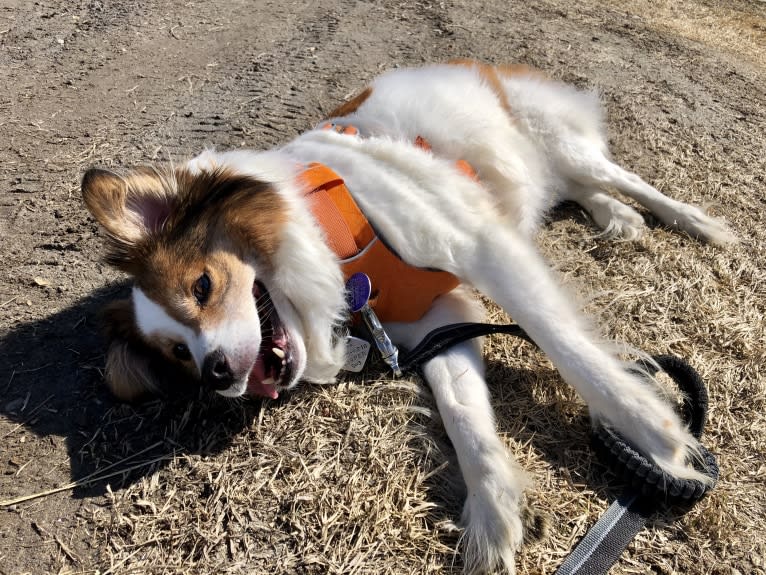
173	275
135	370
149	210
509	70
166	229
492	76
352	105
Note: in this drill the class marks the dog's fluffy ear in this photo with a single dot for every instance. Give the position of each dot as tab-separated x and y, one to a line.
129	374
131	207
131	371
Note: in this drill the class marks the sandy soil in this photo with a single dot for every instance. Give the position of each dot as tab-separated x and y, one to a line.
359	478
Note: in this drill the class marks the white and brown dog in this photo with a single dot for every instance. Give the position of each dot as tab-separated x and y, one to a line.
239	259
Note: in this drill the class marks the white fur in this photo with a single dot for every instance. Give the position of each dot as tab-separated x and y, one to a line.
434	216
153	321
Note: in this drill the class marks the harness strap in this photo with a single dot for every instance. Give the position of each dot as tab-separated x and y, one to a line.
347	229
402	292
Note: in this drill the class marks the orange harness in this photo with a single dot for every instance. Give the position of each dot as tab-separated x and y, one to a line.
401	292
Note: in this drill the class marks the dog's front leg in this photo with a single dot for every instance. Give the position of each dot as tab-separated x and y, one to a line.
494	512
507	268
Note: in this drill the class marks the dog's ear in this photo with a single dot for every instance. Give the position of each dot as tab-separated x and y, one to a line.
136	371
130	207
129	362
129	375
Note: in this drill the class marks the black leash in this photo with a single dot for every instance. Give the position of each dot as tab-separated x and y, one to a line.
443	338
651	489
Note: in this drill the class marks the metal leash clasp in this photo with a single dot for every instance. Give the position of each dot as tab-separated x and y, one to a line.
358	290
388	351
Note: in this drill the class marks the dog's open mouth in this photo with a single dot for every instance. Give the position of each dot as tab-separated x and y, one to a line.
274	366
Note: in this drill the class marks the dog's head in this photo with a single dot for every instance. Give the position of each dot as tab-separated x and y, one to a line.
214	297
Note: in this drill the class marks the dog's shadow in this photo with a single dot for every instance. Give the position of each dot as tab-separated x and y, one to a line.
537	408
51	385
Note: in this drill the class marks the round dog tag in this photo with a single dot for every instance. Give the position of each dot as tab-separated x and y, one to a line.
358	290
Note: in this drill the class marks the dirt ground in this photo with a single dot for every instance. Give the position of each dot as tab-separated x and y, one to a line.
359	478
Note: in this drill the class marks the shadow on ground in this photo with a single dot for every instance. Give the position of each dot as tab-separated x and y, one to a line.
53	386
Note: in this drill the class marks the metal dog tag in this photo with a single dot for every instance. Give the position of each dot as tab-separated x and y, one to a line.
358	290
357	351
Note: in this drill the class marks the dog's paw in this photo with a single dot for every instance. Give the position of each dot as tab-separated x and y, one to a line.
652	426
698	224
535	524
493	519
617	220
624	223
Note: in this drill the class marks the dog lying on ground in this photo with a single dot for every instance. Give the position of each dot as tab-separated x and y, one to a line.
429	180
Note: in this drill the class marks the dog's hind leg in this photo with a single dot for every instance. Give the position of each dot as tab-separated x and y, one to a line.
584	162
494	506
508	269
617	219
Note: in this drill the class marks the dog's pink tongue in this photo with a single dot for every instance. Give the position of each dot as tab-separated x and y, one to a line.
261	390
255	385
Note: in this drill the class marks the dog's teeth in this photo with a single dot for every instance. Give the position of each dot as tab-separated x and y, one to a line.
268	381
278	352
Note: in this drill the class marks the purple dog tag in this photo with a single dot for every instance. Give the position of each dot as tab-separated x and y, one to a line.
358	290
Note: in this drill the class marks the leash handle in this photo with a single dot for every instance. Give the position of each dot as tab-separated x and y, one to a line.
643	475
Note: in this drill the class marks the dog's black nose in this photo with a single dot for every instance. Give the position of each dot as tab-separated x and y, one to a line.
216	372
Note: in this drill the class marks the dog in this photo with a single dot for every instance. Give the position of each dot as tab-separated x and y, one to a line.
445	170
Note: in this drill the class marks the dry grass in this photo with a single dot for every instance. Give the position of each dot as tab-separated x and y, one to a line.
345	479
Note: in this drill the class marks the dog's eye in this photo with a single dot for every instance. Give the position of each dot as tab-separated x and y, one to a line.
181	352
201	288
